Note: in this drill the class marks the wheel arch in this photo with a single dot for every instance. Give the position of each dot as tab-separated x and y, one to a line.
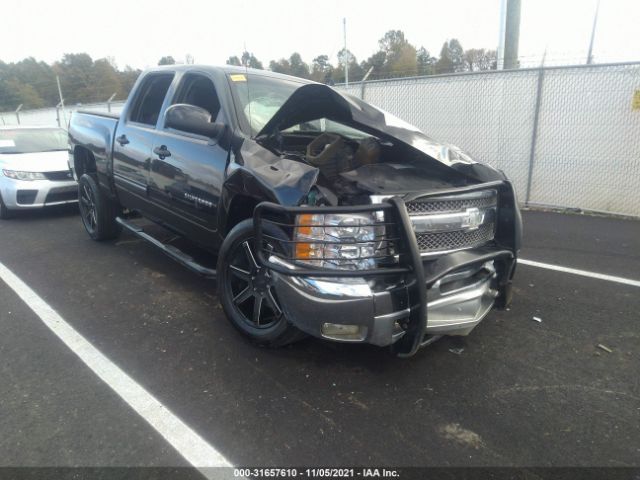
83	162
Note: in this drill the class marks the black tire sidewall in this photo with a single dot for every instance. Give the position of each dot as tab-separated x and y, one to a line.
239	234
106	225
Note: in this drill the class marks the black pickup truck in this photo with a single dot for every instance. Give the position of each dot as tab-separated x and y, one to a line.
328	216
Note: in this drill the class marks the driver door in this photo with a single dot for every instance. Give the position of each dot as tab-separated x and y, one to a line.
187	170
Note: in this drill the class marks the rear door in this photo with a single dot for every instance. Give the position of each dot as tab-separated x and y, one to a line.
187	170
135	136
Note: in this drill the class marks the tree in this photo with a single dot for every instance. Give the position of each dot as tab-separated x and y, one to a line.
128	78
321	69
477	59
76	77
396	57
451	57
376	61
33	83
298	67
280	66
355	70
40	76
17	93
168	60
234	60
249	60
106	80
425	62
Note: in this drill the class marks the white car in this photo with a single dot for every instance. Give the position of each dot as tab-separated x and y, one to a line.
34	169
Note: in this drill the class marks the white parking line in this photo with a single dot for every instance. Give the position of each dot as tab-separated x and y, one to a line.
584	273
187	442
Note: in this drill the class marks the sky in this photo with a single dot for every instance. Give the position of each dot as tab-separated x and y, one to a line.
139	32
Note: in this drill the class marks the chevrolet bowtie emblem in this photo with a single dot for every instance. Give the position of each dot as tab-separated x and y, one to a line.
473	219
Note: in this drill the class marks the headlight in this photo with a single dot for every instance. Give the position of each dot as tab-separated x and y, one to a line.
341	241
23	175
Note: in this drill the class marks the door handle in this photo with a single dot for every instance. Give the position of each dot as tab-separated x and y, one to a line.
122	140
162	152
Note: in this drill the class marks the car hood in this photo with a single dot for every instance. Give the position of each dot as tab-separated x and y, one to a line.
313	101
35	162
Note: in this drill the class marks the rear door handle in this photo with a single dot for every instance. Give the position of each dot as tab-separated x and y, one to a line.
162	152
122	140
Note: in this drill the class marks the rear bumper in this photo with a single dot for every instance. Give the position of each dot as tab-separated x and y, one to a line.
373	311
22	195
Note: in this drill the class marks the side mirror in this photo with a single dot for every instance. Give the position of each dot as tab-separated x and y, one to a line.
192	119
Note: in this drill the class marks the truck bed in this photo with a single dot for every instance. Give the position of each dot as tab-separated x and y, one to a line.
100	114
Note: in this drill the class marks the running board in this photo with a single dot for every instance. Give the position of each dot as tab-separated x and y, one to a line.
173	252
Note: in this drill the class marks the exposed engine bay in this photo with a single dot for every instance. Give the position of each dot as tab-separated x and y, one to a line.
351	169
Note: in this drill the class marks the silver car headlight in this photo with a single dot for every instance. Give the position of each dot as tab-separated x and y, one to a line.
339	241
27	176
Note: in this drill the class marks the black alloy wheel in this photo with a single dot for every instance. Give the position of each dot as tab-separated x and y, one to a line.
88	208
252	288
97	210
247	290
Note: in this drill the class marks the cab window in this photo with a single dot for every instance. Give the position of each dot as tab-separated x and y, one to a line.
198	90
148	102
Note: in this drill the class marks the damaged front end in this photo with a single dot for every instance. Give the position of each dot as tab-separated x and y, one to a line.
393	238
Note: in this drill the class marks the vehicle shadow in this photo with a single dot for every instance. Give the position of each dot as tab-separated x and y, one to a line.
63	211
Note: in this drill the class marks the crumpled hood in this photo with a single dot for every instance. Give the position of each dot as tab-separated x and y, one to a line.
314	101
35	162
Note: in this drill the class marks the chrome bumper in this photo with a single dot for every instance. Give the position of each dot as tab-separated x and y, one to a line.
44	190
456	304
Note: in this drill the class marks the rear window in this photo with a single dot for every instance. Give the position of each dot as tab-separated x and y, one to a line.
149	99
32	140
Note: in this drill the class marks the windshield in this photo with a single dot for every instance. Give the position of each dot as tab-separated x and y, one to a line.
260	97
31	140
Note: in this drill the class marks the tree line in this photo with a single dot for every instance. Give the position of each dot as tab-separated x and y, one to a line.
396	57
34	84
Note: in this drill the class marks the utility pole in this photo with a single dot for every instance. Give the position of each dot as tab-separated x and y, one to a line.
593	34
503	22
511	34
346	53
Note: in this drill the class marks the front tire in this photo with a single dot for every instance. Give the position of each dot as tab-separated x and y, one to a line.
246	289
97	210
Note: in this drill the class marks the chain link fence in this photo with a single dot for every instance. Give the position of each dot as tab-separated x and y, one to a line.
567	137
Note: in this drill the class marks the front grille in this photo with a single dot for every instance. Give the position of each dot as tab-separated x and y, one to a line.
26	197
63	175
61	195
434	242
443	205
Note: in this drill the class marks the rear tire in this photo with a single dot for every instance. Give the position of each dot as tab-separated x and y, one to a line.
246	292
97	210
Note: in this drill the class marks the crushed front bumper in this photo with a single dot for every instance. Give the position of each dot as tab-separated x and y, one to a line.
400	305
456	302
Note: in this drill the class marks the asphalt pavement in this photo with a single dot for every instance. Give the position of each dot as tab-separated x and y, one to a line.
516	392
